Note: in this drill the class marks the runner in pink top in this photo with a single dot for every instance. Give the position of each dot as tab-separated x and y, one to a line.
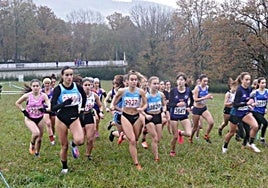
34	113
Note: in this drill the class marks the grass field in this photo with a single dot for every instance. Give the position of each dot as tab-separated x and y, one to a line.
195	165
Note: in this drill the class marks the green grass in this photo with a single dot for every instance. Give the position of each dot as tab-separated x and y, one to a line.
196	165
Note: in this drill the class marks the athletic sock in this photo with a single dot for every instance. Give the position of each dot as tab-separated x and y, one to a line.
225	145
64	165
73	144
251	140
51	138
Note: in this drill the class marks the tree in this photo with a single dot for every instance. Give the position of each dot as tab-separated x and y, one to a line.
155	31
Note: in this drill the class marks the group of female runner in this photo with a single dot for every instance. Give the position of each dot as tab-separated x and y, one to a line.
139	105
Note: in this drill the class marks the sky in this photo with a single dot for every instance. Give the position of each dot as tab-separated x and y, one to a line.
61	10
171	3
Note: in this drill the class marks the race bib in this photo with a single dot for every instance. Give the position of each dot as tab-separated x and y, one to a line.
132	102
180	110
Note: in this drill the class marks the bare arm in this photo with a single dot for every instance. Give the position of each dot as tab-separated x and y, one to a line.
19	102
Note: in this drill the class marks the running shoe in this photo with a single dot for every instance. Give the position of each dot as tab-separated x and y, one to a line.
156	160
144	145
111	136
172	154
180	137
75	151
138	167
220	132
109	126
254	148
121	138
52	143
89	157
224	150
37	155
262	141
64	171
206	137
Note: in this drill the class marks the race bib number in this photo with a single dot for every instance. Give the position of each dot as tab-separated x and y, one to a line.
180	110
132	102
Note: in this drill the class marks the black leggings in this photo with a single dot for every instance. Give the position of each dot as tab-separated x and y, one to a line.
261	121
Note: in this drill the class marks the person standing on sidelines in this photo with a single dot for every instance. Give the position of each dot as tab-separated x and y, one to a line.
241	112
34	113
153	113
134	102
180	102
87	117
65	101
201	95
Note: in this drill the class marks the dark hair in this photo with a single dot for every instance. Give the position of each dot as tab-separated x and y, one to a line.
119	79
77	79
241	77
53	76
62	72
181	74
259	81
202	76
64	69
27	88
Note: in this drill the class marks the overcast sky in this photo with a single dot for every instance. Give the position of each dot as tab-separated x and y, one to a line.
62	9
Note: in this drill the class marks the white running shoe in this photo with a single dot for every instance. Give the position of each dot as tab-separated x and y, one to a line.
224	150
254	148
64	171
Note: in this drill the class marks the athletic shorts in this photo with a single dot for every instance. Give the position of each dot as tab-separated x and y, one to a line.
36	120
117	118
227	110
199	111
157	119
131	118
87	119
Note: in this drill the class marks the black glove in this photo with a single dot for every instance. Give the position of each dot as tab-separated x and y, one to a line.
26	114
43	110
67	102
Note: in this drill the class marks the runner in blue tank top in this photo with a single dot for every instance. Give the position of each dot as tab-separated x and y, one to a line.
201	95
65	101
241	112
134	102
153	113
260	97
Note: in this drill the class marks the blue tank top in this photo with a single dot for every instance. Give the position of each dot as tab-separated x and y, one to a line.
154	102
131	100
202	93
72	93
260	99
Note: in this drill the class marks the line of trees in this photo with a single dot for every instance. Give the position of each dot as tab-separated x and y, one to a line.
200	36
